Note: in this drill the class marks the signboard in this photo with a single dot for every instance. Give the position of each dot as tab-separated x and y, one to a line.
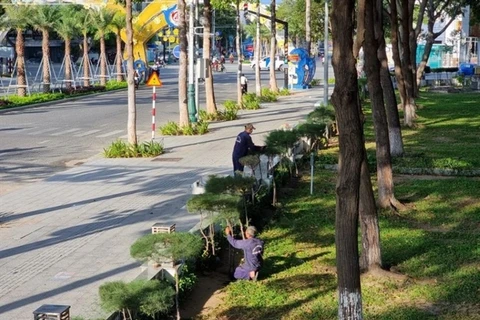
154	80
176	52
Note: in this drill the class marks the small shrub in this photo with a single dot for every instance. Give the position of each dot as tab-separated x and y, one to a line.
250	101
230	104
114	85
284	92
188	130
268	95
150	149
230	113
171	128
202	127
121	149
205	116
315	82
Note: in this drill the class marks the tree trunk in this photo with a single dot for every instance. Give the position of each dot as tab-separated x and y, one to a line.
46	61
20	51
371	256
119	58
239	53
273	46
182	71
371	253
258	84
68	64
86	63
396	52
393	118
308	31
372	70
346	103
103	61
407	67
209	89
132	113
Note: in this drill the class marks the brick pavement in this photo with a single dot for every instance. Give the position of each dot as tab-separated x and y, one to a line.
61	238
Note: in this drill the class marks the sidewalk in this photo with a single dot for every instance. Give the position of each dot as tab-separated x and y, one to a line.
63	237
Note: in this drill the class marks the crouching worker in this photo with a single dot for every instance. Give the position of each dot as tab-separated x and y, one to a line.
252	254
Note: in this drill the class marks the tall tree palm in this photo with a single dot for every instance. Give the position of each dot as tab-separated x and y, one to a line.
18	17
273	47
102	19
65	27
84	24
207	26
182	73
43	19
132	107
117	24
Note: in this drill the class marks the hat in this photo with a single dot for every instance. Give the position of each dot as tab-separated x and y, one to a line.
249	126
251	230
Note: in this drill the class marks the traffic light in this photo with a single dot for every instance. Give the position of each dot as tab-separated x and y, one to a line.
245	9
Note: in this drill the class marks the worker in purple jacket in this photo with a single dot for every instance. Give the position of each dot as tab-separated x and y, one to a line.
243	144
252	253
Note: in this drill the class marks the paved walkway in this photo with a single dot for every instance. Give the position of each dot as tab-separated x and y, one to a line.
61	238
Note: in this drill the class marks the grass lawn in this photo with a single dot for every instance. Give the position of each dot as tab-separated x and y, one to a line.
432	249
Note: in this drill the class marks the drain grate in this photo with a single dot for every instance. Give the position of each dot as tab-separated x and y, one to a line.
167	159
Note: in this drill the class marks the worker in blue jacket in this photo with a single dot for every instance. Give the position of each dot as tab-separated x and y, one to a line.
243	145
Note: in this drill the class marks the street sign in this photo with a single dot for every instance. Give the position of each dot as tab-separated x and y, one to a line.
176	52
154	80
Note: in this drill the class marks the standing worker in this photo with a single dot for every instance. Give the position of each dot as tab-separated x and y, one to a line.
243	144
243	83
252	254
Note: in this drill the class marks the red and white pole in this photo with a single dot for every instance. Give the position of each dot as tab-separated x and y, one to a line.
154	98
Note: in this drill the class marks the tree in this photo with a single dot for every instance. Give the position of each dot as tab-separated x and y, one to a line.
102	19
207	29
346	103
117	24
18	17
132	108
84	24
171	246
65	27
308	31
182	72
238	45
258	84
273	47
147	296
435	10
43	20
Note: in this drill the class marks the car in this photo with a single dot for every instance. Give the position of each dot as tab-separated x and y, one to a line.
265	63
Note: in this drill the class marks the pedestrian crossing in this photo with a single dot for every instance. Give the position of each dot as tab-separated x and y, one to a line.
68	132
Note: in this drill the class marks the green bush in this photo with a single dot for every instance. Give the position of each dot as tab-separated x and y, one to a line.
148	297
35	98
230	104
171	128
114	85
250	101
284	92
122	149
268	95
315	82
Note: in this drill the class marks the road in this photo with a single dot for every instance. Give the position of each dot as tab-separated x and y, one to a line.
39	141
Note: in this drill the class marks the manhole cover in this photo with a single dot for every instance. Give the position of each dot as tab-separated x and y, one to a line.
167	159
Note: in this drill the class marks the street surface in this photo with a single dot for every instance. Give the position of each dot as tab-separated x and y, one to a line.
39	141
